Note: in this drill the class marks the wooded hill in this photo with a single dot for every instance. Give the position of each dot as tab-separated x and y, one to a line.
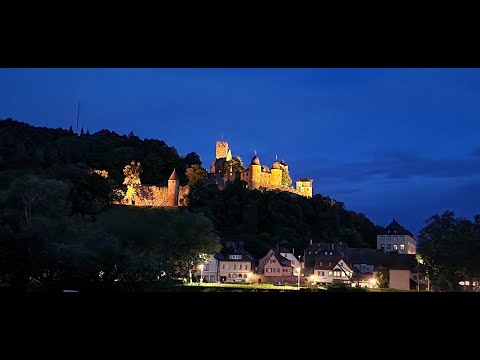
54	209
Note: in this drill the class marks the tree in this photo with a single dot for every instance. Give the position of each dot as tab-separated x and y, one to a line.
48	195
196	174
192	158
132	179
449	248
235	165
383	279
286	180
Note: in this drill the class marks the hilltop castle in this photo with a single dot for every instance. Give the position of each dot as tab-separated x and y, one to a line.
256	175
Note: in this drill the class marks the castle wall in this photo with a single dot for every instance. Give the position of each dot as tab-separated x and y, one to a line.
150	195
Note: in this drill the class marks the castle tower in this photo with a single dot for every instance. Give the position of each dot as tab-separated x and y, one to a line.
305	186
222	151
255	170
172	191
276	177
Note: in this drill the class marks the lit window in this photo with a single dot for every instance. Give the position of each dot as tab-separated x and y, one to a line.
382	246
329	263
330	273
402	247
269	270
321	263
395	247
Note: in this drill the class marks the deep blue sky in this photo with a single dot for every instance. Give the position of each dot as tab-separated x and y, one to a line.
400	143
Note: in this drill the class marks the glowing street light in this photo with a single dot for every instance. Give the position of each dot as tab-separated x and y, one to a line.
373	282
201	272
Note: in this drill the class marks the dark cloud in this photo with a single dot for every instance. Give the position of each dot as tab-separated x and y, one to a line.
476	152
401	166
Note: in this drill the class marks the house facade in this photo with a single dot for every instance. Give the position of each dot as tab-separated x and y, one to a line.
274	267
395	238
211	269
237	265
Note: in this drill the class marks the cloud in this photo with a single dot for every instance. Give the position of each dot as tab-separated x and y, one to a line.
396	166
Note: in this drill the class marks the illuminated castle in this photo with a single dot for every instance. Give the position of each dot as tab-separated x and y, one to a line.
256	175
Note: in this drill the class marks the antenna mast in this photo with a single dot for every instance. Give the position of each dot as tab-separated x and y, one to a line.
78	114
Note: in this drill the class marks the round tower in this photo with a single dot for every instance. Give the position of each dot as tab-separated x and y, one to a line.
255	170
172	191
276	177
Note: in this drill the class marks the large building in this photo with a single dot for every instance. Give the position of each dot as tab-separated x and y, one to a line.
395	238
256	175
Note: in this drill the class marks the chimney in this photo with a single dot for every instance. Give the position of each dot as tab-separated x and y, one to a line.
310	241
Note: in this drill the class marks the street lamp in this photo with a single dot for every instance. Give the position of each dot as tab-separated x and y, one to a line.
298	273
201	273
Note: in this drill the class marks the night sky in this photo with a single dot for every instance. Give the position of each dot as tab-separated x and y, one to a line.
400	143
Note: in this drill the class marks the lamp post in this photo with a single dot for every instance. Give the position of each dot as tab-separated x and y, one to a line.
201	273
298	274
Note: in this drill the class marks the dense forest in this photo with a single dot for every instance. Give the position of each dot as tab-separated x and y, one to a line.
58	227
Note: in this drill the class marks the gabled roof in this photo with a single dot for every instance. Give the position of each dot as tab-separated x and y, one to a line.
283	261
394	228
284	250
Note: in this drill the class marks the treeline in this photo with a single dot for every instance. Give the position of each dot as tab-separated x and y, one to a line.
23	146
264	219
